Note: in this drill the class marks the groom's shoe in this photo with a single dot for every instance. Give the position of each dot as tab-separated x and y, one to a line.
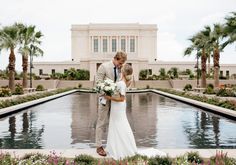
101	151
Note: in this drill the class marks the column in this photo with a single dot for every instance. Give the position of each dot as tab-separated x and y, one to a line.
92	45
127	44
118	43
110	47
101	44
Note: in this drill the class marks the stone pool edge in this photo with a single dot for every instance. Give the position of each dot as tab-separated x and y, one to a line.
16	108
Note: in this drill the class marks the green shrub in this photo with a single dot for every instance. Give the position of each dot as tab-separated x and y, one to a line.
82	74
210	86
6	159
188	87
193	157
191	76
223	92
159	160
39	88
18	89
143	74
5	92
85	160
209	89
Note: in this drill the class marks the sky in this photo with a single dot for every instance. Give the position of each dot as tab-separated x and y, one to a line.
176	20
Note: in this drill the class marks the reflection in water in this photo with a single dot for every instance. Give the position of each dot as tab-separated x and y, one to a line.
29	137
83	113
206	132
157	121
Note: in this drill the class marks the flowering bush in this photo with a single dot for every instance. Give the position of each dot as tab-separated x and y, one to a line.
5	92
54	159
108	87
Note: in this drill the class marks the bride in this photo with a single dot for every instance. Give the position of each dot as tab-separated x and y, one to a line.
120	140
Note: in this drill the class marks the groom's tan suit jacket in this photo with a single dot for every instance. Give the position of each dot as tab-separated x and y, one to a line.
105	70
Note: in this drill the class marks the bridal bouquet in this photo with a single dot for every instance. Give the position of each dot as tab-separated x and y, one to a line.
108	87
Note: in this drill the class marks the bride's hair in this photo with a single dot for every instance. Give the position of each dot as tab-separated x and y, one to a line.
127	71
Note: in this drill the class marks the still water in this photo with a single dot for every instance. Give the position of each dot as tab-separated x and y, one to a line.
157	121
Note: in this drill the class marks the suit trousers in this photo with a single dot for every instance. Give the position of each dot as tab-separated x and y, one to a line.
102	121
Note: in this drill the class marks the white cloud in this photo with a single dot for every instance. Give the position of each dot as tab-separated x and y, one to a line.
169	49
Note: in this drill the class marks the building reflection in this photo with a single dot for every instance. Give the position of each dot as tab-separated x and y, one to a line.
84	115
144	118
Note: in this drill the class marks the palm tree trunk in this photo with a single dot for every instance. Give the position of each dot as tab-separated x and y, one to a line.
209	65
216	67
25	69
203	63
11	68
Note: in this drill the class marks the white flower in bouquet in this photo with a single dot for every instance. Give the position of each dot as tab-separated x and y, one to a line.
108	87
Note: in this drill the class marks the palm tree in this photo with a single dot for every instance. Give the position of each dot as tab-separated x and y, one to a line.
206	48
230	29
216	36
200	43
30	41
9	40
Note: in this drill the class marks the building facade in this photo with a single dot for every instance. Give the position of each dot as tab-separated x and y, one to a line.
93	44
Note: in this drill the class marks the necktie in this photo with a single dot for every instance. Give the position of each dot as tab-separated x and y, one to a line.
115	74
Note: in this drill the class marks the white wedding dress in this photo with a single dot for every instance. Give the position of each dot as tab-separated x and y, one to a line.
120	140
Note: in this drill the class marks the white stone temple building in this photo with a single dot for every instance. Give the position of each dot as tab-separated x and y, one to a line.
93	44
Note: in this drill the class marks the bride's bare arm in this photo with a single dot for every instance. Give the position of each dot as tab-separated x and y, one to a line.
116	99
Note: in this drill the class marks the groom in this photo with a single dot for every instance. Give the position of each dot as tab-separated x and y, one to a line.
107	70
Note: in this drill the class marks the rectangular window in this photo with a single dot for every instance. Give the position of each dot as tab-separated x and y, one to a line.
132	45
149	71
221	73
113	45
227	74
40	71
53	71
95	45
104	45
123	44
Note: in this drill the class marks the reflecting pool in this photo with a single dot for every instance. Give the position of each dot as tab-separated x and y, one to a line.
157	121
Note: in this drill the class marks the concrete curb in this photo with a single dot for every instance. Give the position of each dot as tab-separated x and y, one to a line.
212	108
18	107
